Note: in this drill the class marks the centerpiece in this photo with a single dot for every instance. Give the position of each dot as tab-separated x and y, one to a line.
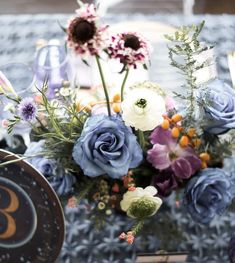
129	151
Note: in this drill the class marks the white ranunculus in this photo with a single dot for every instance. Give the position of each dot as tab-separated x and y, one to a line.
143	109
141	202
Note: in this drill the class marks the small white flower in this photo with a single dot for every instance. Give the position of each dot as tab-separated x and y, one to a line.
143	109
141	202
65	91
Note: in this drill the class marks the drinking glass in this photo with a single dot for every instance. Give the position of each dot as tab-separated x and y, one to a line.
51	66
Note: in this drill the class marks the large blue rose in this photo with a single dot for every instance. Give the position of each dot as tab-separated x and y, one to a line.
208	194
107	146
60	181
220	113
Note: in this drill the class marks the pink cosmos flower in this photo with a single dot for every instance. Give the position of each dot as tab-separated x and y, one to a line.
84	34
130	48
167	153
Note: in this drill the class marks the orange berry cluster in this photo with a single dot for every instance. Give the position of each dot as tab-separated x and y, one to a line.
205	158
116	103
186	137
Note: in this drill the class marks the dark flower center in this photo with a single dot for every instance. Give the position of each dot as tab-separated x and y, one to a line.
132	41
29	110
173	156
83	31
141	103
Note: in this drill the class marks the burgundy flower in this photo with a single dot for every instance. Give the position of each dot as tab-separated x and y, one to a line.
165	182
130	48
167	153
85	36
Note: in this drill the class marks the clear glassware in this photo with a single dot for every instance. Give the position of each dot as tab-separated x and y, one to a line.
20	76
51	65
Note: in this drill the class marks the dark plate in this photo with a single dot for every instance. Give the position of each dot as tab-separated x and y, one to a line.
31	217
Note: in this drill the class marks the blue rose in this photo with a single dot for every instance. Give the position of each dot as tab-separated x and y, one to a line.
60	181
220	113
208	194
107	146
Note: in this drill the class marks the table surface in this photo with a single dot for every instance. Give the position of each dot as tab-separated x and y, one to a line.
18	35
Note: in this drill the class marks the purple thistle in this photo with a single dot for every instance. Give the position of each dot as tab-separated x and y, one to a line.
27	109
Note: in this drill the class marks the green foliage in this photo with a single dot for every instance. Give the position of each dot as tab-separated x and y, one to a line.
184	47
63	126
218	148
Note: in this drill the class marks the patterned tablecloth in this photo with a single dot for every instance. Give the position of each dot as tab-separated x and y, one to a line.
171	229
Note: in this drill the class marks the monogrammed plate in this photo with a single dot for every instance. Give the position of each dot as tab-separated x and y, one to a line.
31	217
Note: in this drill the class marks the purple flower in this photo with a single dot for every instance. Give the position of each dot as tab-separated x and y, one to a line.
27	109
107	146
165	182
231	249
129	48
167	153
208	194
220	113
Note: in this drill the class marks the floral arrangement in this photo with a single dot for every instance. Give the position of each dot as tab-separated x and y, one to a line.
130	151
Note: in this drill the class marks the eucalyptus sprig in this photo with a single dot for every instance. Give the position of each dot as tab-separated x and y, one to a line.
185	45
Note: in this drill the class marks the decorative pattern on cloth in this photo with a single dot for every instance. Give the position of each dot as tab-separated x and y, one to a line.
83	243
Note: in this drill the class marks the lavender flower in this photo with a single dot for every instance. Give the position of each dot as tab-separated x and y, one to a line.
167	153
27	109
130	48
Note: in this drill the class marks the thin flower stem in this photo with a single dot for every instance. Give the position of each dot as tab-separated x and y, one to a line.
137	227
141	139
42	125
86	190
104	84
123	84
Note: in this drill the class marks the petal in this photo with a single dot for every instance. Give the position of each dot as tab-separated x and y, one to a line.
161	136
150	190
181	168
195	162
158	156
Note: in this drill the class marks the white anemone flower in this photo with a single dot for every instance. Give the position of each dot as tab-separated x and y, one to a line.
141	203
143	108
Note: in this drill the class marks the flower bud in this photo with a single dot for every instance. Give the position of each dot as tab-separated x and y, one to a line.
142	208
